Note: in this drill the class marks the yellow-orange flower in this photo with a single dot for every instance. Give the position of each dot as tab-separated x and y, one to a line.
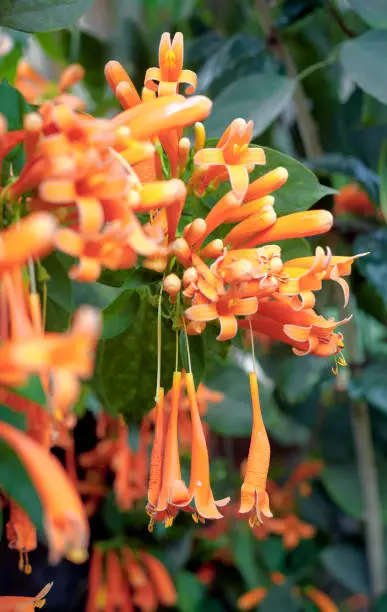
233	156
65	520
14	603
170	73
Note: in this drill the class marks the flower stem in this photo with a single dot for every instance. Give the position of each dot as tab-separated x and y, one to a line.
367	468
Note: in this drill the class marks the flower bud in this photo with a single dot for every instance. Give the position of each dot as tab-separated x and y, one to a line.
213	249
190	276
172	285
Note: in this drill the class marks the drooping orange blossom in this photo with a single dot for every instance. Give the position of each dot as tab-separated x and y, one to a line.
83	171
25	604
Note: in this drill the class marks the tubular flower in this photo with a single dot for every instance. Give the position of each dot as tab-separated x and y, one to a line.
252	599
292	530
321	600
254	498
32	237
35	88
65	521
353	199
231	159
21	535
170	73
161	580
66	358
26	604
95	584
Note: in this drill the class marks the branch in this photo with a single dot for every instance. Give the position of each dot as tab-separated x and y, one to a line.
305	122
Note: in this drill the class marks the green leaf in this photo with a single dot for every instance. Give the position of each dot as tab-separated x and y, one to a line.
309	369
374	12
383	178
243	547
13	107
233	417
41	15
373	265
16	419
190	592
343	485
197	353
348	566
126	365
363	59
120	314
296	247
260	97
371	385
32	390
17	484
59	286
280	598
272	553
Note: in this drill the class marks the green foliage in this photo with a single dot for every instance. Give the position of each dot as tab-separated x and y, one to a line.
13	107
126	364
261	97
374	12
363	60
348	566
191	592
41	15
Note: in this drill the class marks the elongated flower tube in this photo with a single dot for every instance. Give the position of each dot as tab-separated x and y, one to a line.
95	579
321	600
252	599
157	455
199	487
21	535
254	498
296	225
161	580
15	603
32	237
65	521
173	487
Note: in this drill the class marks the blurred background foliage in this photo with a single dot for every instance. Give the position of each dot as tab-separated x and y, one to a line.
312	75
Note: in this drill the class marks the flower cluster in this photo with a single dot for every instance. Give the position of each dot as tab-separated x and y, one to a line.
114	194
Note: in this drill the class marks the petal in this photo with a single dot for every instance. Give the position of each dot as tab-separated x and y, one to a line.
57	191
254	156
239	179
251	599
228	327
91	215
189	77
202	312
87	270
243	307
152	75
297	333
209	157
69	241
127	95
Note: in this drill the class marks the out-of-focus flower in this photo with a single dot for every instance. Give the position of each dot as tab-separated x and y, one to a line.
21	535
323	602
65	521
15	603
35	88
353	199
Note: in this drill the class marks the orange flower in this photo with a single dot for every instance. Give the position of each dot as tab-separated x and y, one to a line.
321	600
161	580
31	237
95	580
15	603
65	521
35	88
170	74
116	593
292	530
252	598
21	535
353	199
254	498
233	155
199	487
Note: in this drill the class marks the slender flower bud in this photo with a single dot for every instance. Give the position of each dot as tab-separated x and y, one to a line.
182	251
194	231
183	154
200	136
213	249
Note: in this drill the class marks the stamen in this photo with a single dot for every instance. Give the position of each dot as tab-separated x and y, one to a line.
27	565
151	525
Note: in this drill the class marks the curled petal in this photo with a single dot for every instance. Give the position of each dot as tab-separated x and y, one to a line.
228	327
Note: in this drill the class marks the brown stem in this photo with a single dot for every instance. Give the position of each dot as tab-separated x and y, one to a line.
305	122
338	18
368	471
